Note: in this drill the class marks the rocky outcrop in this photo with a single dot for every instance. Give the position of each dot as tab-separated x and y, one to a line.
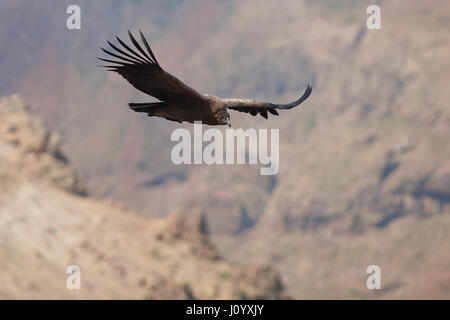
38	150
190	227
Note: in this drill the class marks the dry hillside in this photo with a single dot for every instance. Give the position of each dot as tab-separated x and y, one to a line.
46	225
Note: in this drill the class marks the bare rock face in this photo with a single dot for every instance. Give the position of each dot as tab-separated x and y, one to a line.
38	150
190	227
45	226
263	279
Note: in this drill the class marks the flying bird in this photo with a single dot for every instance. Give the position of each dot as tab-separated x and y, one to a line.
179	102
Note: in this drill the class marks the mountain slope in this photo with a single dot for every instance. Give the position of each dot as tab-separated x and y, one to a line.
122	255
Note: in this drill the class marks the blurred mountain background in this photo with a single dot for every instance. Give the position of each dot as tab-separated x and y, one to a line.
364	164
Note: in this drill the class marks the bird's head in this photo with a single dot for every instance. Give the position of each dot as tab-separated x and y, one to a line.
223	117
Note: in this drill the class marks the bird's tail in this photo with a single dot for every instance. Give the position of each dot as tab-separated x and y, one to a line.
145	107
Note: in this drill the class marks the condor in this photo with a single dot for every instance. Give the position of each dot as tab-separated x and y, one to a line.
179	102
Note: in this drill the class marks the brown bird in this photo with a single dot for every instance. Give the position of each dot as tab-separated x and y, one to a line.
179	102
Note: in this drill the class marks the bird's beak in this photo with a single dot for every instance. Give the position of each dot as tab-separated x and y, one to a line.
229	122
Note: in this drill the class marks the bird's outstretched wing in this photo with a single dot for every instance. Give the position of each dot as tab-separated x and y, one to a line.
254	106
143	71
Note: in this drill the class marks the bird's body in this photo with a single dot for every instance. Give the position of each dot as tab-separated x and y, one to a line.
180	111
179	102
